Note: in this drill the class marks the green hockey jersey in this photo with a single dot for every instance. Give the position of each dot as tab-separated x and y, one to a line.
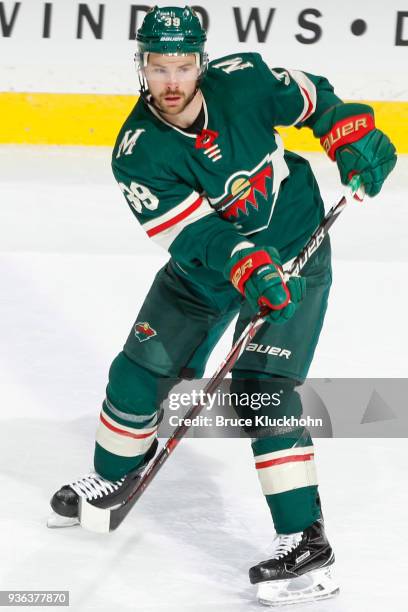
200	195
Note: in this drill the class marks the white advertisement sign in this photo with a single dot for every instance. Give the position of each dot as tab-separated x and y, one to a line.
72	46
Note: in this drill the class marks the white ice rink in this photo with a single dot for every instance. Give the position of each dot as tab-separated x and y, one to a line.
74	267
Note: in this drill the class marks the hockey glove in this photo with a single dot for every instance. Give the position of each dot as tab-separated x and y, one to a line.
348	134
256	272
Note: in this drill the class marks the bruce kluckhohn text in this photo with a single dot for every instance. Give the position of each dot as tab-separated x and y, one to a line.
258	421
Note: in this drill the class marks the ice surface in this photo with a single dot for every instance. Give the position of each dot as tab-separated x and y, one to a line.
74	267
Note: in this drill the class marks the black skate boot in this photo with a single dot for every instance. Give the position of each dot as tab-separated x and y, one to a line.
300	569
96	490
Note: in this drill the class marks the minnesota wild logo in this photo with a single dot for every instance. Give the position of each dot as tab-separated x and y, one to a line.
144	332
248	197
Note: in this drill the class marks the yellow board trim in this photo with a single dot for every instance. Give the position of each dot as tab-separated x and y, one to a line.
95	119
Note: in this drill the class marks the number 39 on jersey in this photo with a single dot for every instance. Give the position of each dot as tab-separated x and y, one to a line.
138	196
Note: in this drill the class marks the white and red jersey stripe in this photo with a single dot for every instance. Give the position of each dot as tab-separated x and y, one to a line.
287	469
121	440
308	92
165	228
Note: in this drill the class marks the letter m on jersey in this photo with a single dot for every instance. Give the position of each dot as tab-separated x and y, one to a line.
128	142
233	64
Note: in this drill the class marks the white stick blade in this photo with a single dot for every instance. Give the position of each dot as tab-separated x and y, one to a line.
93	518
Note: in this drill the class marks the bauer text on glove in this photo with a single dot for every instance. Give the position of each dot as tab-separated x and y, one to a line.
348	134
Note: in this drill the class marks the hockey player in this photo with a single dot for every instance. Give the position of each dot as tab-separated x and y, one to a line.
204	171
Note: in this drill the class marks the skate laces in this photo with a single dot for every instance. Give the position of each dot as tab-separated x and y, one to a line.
286	543
93	486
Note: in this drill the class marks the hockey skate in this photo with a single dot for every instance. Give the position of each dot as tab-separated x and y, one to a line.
299	571
96	491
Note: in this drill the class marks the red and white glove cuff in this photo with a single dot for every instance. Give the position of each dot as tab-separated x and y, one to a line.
347	131
246	266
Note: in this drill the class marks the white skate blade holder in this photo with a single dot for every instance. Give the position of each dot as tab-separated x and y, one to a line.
93	518
312	586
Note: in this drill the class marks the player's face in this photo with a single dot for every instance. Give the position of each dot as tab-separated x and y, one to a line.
172	80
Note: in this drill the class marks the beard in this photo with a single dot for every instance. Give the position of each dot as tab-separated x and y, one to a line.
174	109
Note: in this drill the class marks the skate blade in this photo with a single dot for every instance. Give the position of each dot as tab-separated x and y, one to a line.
56	521
313	586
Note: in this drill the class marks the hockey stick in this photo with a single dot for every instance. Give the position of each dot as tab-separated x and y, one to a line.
105	520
